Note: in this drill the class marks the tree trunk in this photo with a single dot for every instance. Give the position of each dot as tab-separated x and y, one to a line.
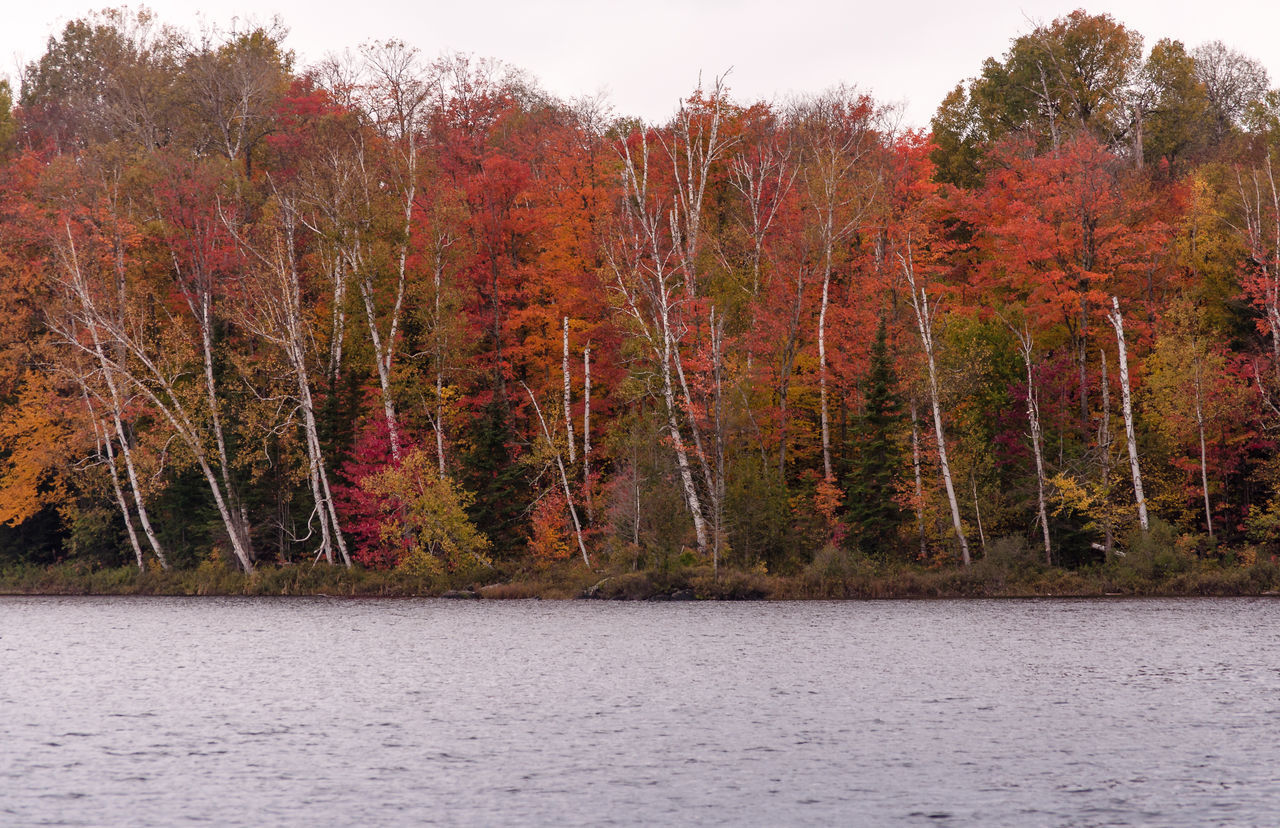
586	431
568	414
104	438
1204	463
564	478
924	318
822	372
1104	447
1126	402
977	512
915	465
1037	440
682	455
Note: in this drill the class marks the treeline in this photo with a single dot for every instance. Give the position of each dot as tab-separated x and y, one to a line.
396	312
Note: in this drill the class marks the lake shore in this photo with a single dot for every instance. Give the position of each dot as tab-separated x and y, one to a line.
843	581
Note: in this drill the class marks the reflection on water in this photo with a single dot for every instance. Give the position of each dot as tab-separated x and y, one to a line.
314	711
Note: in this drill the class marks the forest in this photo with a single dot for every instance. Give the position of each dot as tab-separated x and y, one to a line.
400	313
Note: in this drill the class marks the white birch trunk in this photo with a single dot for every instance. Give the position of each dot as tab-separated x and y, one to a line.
164	396
977	513
644	280
924	319
126	451
682	455
1204	462
104	438
915	465
1037	439
586	431
1126	402
568	399
1104	446
822	373
564	477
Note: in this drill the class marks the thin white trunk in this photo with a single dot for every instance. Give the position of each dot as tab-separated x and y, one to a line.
694	430
564	477
586	430
238	526
321	489
649	300
943	463
1126	402
1037	439
568	399
382	356
338	323
822	374
126	451
438	333
977	512
682	455
915	465
104	438
1104	446
1204	463
440	421
924	319
718	492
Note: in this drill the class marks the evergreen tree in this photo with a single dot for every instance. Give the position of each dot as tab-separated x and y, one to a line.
874	514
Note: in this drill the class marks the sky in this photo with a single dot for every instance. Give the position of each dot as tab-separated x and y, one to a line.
646	56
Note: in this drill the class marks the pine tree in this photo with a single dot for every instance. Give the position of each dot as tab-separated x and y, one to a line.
874	514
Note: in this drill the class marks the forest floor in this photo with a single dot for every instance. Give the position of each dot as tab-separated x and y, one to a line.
831	576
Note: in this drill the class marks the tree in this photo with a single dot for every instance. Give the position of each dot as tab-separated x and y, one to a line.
1126	402
1174	105
924	314
1066	76
874	513
838	136
1195	395
423	521
1232	83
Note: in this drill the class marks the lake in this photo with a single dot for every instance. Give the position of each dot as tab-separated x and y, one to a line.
221	711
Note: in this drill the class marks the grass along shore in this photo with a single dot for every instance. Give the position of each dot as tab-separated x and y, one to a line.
833	574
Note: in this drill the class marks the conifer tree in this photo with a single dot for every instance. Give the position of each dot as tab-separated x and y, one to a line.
874	514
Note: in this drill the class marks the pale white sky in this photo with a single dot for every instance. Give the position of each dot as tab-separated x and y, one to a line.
647	54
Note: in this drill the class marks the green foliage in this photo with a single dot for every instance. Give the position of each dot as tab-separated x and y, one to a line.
1176	125
1154	554
8	128
873	510
957	139
758	516
425	516
496	479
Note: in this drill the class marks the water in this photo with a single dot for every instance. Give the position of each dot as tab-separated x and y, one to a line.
321	712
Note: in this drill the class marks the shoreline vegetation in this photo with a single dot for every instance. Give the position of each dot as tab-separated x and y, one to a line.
440	332
833	575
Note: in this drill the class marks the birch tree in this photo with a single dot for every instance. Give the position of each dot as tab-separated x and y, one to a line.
158	369
924	321
649	281
1026	344
273	310
1126	402
838	137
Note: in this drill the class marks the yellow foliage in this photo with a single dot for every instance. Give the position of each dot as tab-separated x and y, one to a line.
33	445
426	515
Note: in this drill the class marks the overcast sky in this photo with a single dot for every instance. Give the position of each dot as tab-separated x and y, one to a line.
647	55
